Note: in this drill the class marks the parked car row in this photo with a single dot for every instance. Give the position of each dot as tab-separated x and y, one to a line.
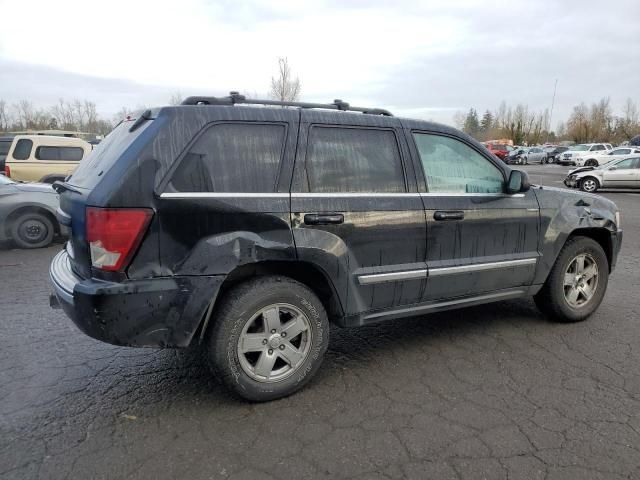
617	173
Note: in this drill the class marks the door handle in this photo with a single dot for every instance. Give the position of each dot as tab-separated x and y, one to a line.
451	215
323	218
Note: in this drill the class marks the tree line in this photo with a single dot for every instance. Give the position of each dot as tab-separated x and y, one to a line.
521	125
82	116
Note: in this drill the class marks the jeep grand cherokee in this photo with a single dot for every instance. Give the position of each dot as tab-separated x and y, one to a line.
249	229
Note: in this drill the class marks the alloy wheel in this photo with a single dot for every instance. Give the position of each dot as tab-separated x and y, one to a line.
580	280
274	343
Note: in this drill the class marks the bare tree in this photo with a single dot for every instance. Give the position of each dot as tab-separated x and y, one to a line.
285	87
4	115
176	98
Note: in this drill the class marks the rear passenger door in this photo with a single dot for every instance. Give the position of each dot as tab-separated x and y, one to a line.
480	240
226	201
356	212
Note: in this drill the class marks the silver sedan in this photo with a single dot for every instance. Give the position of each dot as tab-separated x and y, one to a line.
623	173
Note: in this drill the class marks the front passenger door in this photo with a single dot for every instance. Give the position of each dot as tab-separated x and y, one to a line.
480	240
621	175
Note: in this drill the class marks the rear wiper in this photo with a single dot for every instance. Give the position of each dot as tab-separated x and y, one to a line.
60	187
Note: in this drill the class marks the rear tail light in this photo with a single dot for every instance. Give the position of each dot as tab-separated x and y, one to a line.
7	171
114	235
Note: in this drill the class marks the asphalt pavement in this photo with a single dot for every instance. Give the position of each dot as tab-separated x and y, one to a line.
494	392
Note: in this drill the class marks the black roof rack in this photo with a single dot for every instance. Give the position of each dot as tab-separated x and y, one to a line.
235	97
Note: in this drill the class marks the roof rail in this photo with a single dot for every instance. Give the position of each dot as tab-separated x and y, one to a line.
236	98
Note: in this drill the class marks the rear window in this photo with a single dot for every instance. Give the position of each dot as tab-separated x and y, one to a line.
59	153
104	155
232	158
23	149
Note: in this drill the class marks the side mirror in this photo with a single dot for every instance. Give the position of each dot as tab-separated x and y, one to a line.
518	182
613	168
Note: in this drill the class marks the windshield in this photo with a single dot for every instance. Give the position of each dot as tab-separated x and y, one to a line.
579	148
5	181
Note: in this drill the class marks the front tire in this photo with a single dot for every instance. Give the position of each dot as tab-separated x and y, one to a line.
589	185
591	163
32	230
577	282
269	338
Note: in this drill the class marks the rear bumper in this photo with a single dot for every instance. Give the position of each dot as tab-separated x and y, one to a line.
156	312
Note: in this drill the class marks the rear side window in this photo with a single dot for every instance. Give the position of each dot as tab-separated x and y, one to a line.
59	153
23	149
353	160
232	158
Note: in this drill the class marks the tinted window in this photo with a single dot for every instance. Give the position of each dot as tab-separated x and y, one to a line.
621	151
23	149
596	148
4	149
353	160
105	154
232	158
451	166
59	153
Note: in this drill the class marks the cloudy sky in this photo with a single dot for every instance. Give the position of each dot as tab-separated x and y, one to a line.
420	59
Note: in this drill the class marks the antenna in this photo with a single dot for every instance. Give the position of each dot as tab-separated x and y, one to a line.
553	101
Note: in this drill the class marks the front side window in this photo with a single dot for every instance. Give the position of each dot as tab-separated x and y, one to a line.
625	164
65	154
451	166
232	158
621	151
353	160
22	151
597	148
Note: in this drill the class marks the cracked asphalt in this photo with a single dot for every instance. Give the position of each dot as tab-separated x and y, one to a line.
493	392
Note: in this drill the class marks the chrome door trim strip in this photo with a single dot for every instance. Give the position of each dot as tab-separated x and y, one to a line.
351	195
327	195
505	195
222	195
374	278
479	267
392	277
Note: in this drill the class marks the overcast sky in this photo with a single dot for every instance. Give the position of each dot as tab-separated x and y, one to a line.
419	59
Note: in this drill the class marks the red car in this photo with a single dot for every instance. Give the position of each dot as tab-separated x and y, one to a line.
499	150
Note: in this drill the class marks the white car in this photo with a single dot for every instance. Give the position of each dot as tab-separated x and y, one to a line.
615	154
579	155
622	173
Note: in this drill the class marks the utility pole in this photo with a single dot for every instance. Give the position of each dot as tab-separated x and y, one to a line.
553	101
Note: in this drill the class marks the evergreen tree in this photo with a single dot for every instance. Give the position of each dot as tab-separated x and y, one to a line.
471	123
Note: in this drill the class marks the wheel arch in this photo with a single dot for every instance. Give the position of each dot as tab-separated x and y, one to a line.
600	235
18	212
306	273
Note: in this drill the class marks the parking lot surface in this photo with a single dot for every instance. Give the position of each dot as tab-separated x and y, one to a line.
495	392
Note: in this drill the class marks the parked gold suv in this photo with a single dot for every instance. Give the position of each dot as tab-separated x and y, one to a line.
43	158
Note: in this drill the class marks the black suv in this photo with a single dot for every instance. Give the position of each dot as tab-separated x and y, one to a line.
250	228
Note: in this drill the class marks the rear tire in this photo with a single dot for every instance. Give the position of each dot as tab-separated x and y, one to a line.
248	345
32	230
558	299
